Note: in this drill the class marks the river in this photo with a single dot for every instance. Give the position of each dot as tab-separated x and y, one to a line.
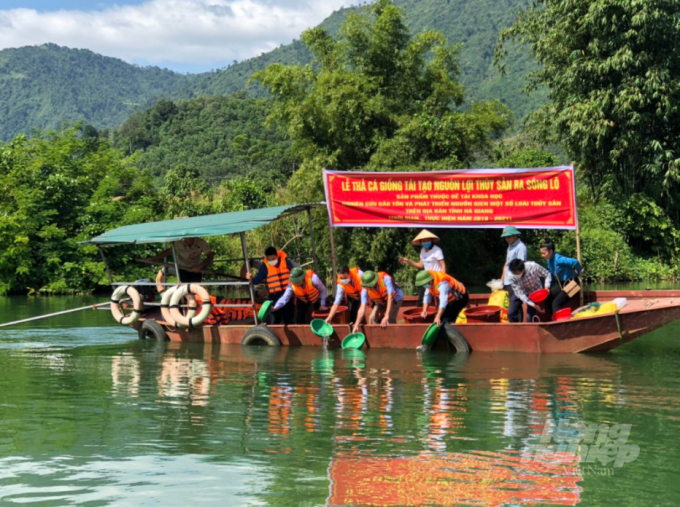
91	416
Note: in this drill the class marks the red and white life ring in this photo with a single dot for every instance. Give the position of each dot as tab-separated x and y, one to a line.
165	306
137	305
189	320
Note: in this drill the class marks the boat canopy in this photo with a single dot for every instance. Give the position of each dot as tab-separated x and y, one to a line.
202	226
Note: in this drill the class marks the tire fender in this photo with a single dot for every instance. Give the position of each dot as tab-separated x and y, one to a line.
457	339
260	335
137	305
190	320
152	329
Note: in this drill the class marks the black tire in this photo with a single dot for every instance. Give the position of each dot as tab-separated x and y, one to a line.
152	329
457	339
260	335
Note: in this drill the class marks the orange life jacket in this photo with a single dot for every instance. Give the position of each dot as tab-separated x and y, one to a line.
378	294
457	289
306	292
352	291
220	316
279	275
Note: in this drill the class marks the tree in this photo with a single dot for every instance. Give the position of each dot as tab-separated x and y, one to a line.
377	97
614	90
60	188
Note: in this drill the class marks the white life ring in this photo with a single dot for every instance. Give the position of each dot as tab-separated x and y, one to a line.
165	306
188	320
137	305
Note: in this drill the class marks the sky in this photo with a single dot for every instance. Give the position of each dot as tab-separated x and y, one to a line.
182	35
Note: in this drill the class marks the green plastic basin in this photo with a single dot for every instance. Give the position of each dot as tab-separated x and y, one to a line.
430	335
353	341
321	328
264	311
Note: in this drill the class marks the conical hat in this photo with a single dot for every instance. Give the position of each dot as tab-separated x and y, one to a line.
424	234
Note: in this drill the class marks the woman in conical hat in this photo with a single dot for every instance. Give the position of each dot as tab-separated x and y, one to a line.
431	256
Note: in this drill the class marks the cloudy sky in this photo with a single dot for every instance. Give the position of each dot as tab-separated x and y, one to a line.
183	35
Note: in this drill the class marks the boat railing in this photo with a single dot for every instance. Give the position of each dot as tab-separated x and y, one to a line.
170	284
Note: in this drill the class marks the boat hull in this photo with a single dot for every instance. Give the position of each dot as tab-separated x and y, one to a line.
645	312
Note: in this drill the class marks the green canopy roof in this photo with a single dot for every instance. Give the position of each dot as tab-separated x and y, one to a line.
203	226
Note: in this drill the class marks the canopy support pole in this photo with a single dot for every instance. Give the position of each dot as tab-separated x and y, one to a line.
311	237
174	260
335	269
250	283
578	257
106	264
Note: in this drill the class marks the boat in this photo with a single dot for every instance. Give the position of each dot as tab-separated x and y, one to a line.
644	312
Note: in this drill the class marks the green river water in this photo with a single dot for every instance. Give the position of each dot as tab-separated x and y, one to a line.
91	416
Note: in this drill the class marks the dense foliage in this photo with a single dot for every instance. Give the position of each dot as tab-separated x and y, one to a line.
218	137
613	105
44	86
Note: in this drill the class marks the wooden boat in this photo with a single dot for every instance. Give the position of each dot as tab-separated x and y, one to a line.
645	312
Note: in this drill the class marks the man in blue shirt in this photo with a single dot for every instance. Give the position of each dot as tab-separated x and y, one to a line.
516	250
563	270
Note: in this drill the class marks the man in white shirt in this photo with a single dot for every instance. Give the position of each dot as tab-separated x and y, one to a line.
189	252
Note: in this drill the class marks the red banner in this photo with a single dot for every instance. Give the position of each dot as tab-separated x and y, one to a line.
527	198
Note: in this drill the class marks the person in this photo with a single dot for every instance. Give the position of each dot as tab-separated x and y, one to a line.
308	290
516	250
525	279
431	256
563	270
452	295
386	297
275	270
189	257
348	291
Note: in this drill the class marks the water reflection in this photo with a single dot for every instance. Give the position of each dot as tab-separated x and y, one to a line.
268	425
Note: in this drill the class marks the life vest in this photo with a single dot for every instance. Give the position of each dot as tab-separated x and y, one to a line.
353	290
277	276
378	294
306	292
457	289
223	315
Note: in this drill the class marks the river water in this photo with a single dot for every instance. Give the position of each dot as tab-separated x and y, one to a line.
89	415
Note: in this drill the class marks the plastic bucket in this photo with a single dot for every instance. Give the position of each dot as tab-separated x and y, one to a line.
340	317
483	314
563	314
412	315
539	298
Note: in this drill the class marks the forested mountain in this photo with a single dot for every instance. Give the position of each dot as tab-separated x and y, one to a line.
220	136
475	24
44	86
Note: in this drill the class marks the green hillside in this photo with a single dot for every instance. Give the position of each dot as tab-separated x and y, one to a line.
475	24
218	137
44	86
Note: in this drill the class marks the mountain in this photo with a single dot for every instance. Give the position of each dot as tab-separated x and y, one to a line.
476	24
44	86
218	136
